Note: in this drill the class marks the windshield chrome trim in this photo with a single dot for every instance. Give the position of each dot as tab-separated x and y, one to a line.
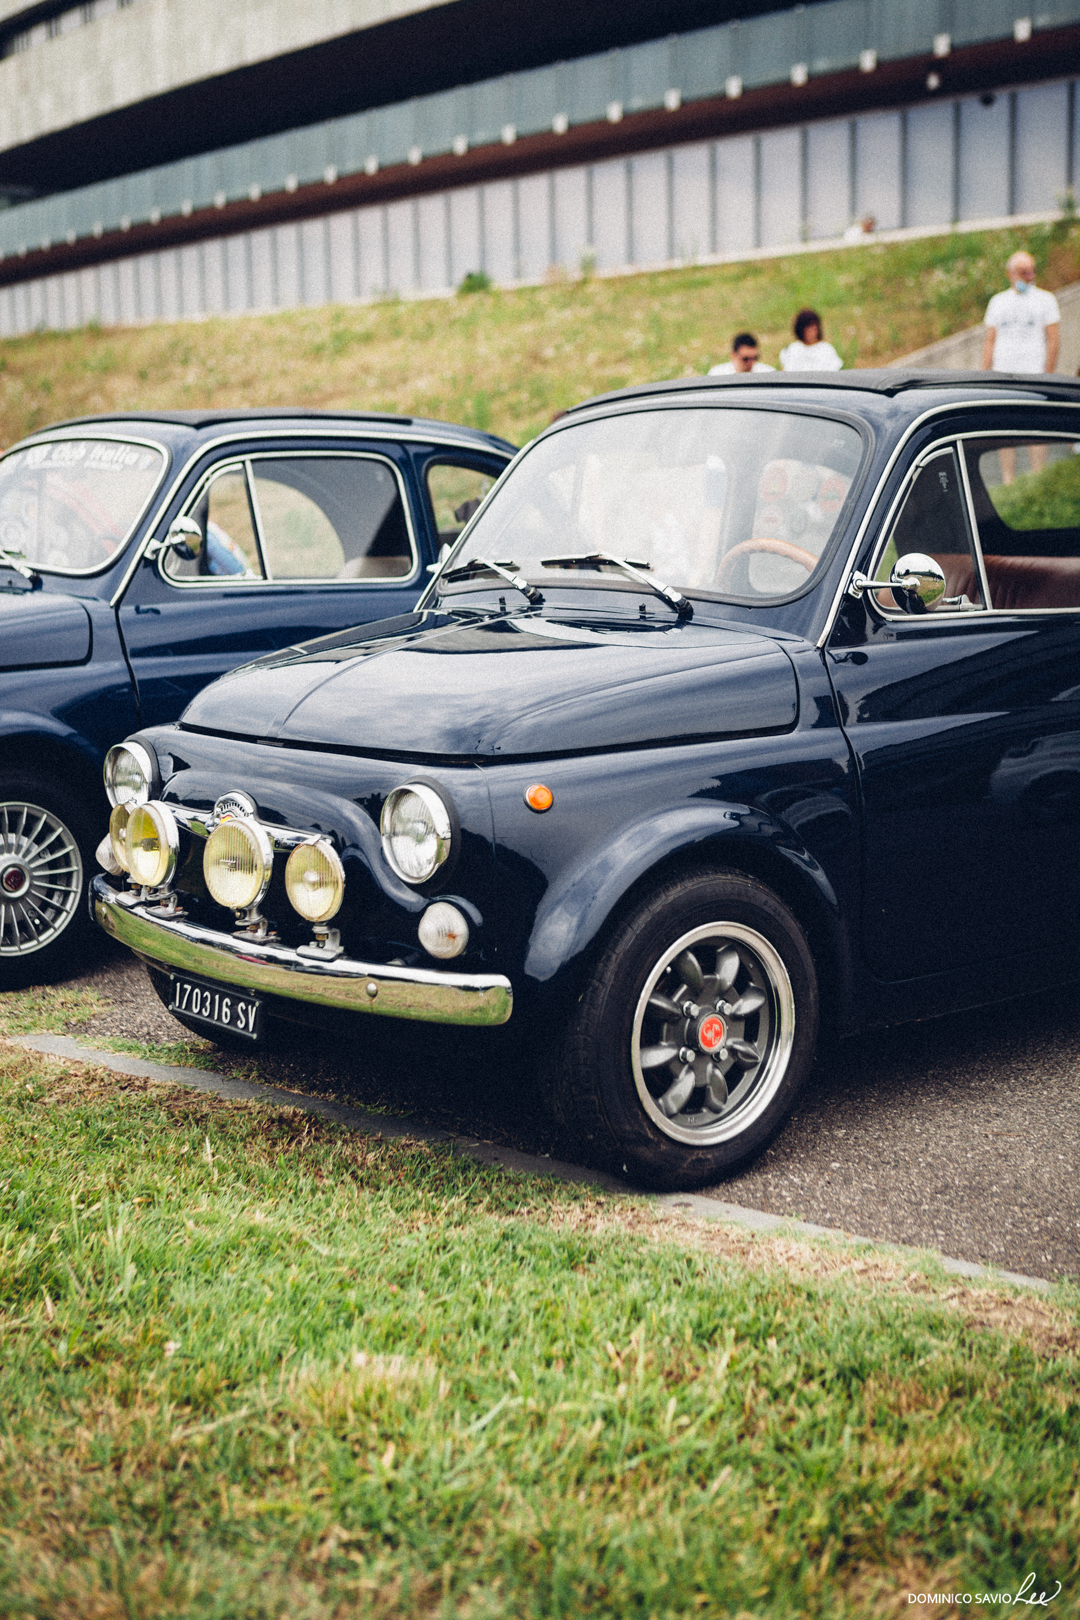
246	436
869	515
113	438
228	581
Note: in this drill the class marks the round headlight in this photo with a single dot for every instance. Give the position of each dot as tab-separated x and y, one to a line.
443	931
152	843
237	863
130	773
417	832
315	880
118	833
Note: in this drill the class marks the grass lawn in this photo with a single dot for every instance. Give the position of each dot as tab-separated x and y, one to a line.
255	1365
507	360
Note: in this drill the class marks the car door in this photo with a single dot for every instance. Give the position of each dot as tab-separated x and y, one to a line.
291	545
965	720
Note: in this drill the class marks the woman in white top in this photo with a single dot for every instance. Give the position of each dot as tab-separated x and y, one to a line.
809	352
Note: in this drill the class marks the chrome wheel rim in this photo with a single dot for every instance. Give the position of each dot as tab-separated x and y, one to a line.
41	877
712	1034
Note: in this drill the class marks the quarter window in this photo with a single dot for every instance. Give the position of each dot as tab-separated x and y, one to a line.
455	492
230	547
933	520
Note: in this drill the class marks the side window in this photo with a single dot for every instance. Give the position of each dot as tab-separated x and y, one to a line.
454	492
1026	495
331	517
230	549
933	519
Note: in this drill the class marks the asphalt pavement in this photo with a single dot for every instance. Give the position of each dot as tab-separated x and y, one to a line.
960	1134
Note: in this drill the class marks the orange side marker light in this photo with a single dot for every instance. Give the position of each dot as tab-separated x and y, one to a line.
538	797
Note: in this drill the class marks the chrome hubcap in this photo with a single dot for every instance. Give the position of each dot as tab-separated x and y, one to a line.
41	874
712	1033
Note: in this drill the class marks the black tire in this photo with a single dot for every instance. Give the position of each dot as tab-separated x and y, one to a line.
690	1117
46	858
273	1033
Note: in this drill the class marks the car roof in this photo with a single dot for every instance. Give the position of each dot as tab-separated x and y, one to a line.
196	421
886	383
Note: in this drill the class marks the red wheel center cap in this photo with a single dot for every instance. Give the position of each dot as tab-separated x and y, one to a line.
14	880
711	1032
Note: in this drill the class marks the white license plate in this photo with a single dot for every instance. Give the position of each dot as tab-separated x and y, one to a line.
215	1005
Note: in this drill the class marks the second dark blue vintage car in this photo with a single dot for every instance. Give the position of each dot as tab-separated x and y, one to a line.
142	556
743	707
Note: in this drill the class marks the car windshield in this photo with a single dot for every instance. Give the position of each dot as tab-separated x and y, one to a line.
69	505
734	502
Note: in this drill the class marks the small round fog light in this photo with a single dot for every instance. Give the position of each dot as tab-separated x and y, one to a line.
152	843
443	931
118	833
315	880
238	861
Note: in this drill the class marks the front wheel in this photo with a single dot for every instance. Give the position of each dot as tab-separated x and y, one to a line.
45	854
694	1034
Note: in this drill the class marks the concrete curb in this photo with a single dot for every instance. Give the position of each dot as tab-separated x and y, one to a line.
361	1119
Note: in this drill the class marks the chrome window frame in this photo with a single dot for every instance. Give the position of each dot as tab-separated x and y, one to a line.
952	407
988	610
923	459
244	434
112	438
219	469
245	460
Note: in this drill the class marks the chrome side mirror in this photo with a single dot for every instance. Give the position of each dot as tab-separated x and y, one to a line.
185	537
917	583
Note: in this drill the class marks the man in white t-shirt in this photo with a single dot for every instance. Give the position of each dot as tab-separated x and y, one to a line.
744	356
1023	329
1023	325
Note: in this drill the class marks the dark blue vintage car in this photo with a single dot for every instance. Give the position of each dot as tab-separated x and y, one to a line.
143	556
743	708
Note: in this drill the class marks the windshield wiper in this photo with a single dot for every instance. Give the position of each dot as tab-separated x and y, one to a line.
674	599
17	561
481	565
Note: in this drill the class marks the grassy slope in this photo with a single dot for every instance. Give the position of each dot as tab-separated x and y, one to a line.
253	1365
507	361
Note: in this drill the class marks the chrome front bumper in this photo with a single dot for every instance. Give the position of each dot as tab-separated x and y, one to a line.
275	970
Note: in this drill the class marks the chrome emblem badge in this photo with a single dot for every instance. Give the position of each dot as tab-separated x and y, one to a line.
231	805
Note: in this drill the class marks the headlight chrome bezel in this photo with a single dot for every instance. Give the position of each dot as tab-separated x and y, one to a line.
263	849
148	769
168	839
444	823
299	860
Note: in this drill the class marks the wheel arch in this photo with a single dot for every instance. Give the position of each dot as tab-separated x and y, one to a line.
567	937
26	744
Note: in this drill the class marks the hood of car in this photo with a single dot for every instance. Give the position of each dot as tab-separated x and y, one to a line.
37	628
436	685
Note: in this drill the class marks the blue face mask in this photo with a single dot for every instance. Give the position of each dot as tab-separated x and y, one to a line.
1022	286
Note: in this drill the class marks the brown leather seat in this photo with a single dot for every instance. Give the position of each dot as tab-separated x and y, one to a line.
1015	582
1033	582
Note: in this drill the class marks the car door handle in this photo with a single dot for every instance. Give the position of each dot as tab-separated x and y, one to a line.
140	609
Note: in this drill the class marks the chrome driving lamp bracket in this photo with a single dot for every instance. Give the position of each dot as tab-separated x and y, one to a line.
251	924
327	946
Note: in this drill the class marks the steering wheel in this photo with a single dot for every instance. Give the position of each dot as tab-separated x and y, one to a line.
778	548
